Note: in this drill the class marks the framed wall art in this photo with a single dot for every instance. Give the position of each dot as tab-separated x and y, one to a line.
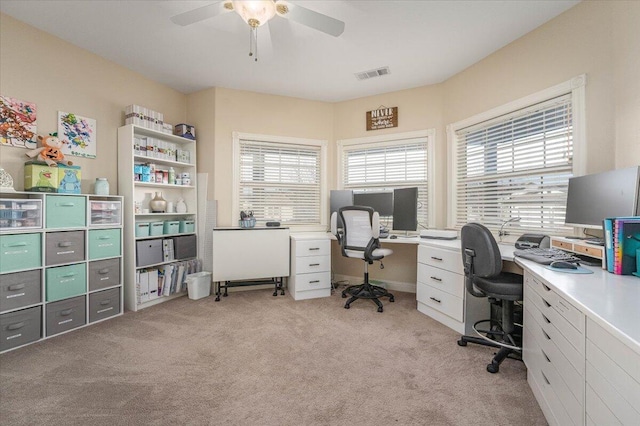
17	123
78	133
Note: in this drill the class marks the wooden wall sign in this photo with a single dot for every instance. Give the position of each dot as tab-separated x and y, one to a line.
382	118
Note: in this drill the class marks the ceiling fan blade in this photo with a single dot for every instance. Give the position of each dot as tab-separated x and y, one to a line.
312	19
200	14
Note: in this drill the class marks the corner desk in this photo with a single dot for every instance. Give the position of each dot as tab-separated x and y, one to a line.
581	336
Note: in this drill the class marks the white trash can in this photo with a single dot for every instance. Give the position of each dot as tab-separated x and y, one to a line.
199	285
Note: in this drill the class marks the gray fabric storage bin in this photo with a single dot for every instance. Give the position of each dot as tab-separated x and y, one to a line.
66	314
185	247
104	273
20	327
149	252
64	247
104	304
20	289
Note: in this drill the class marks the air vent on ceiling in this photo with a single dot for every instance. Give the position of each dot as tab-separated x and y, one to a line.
373	73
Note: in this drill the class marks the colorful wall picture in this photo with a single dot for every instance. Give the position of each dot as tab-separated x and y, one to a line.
78	133
17	123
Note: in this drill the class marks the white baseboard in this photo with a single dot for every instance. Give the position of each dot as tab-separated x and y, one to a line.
389	285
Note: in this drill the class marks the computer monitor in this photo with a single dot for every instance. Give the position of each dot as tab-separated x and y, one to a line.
382	202
592	198
405	209
340	198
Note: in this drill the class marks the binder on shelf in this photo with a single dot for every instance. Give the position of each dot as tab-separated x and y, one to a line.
144	287
622	241
153	284
608	243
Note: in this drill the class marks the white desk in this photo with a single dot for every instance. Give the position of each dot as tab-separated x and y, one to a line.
582	345
241	254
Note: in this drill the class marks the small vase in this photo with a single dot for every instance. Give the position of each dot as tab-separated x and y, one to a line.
181	206
158	204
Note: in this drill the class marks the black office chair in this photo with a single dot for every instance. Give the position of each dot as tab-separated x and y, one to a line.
484	278
359	239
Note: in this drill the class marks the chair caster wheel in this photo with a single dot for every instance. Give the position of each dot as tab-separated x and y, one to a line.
344	296
380	309
225	295
218	299
391	299
275	293
493	368
462	343
347	306
282	293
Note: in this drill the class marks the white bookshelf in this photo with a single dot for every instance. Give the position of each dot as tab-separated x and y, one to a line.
138	191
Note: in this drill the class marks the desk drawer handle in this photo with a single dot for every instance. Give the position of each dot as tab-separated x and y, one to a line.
66	204
547	304
435	300
545	378
545	355
546	335
314	248
439	259
105	302
437	279
65	244
104	237
103	271
545	287
547	320
66	312
17	244
314	264
314	282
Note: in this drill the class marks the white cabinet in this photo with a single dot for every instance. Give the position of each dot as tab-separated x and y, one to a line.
310	275
554	352
440	290
613	379
172	163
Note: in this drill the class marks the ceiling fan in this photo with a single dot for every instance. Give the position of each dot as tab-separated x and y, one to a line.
257	12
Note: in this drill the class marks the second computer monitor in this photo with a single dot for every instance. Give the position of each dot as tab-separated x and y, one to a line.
405	209
381	202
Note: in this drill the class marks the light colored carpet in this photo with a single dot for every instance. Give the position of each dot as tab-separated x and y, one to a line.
255	359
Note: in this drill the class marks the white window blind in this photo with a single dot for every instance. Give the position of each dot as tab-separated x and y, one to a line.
516	166
389	165
280	181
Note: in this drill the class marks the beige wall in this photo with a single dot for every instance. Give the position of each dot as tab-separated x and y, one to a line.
57	76
576	42
248	112
626	49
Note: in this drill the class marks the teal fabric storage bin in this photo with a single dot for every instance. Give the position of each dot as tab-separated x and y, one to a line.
142	229
187	226
20	251
171	226
65	211
65	281
156	228
104	243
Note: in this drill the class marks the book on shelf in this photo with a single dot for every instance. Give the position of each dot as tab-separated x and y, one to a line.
622	243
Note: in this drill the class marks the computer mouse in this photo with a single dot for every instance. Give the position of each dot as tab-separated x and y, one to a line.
393	237
561	264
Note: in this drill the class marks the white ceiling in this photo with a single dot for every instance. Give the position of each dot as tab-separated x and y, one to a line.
422	42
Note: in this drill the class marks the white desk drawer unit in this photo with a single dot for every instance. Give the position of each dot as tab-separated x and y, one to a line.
554	352
613	379
310	275
441	293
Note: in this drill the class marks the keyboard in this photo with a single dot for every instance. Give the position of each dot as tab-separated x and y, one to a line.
545	256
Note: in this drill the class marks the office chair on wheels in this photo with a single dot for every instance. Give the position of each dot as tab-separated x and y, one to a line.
484	278
360	240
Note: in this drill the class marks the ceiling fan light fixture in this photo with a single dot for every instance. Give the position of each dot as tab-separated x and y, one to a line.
255	12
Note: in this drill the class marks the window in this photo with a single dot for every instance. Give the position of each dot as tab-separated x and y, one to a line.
280	179
388	162
516	166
